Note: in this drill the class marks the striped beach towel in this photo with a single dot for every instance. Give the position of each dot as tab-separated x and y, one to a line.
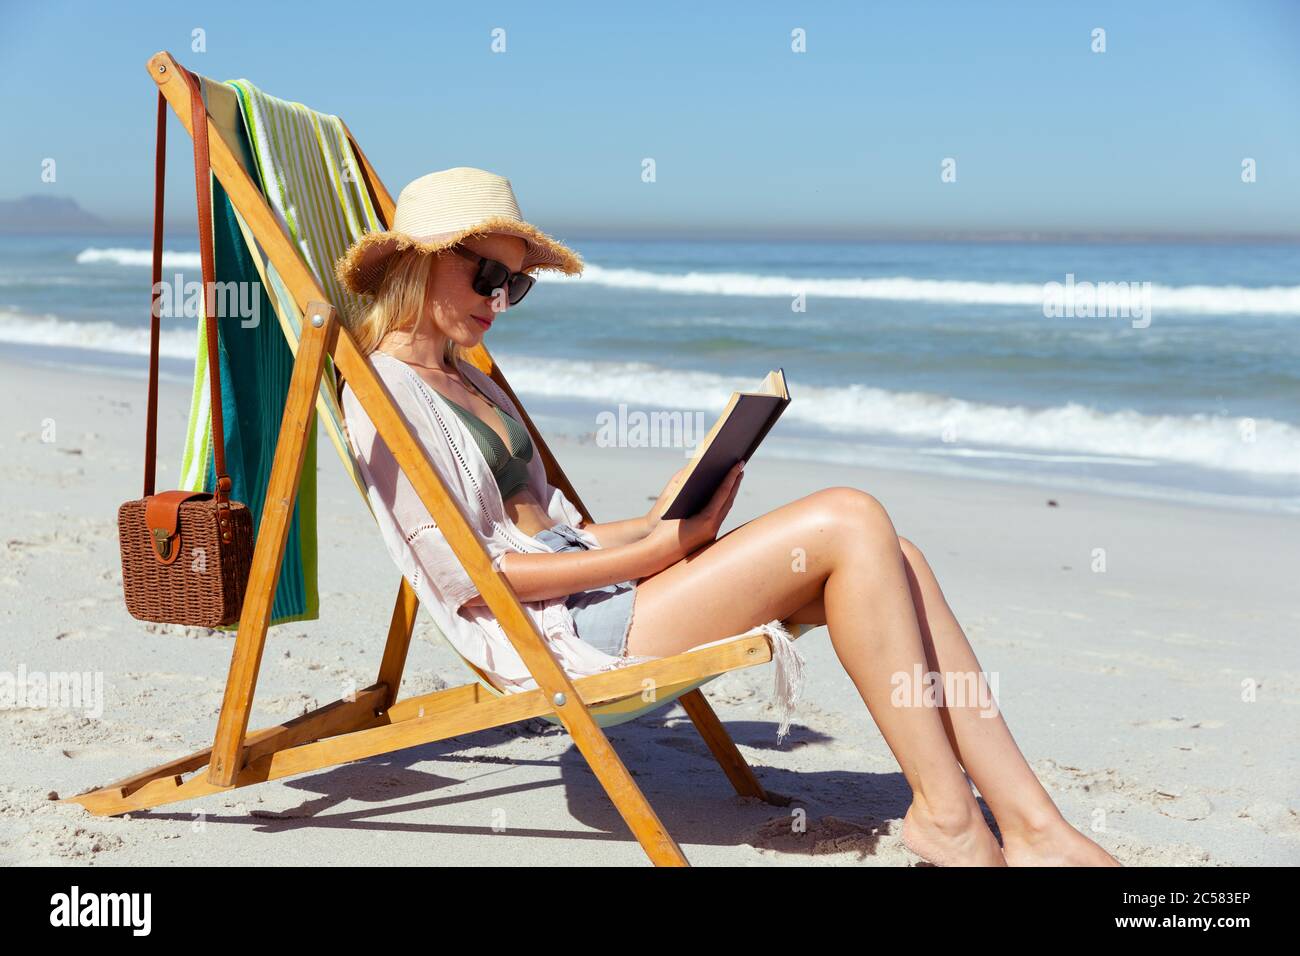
311	179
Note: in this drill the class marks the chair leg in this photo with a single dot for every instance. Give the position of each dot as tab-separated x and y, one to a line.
724	749
399	641
272	534
627	798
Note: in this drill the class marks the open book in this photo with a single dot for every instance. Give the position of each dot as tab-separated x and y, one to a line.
744	424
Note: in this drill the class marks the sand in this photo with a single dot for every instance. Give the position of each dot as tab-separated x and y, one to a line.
1124	688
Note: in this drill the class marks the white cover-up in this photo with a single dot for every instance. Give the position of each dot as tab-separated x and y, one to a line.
429	564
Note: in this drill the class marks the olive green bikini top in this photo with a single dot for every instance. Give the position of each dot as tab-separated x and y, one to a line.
509	468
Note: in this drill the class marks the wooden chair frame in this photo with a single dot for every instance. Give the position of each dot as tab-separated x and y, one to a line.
373	721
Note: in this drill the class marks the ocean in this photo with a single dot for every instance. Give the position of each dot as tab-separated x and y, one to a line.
981	359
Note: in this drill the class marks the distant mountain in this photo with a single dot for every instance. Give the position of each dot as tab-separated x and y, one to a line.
48	214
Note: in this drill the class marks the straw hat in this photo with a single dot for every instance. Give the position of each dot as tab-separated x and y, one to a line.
439	210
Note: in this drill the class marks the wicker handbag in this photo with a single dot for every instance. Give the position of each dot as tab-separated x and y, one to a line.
186	555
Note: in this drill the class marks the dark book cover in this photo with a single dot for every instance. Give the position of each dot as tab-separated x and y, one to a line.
736	436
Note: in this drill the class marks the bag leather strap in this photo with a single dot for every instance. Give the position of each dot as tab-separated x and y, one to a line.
203	196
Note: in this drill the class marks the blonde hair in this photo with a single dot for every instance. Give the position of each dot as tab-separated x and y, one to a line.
398	302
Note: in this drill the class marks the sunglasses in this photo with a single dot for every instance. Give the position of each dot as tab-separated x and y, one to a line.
493	275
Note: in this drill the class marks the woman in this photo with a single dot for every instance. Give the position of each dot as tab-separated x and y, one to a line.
459	254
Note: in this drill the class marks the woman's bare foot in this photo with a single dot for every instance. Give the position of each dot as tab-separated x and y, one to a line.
1054	844
960	840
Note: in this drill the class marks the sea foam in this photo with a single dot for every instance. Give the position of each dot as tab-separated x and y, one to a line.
134	258
1194	299
1203	299
1259	446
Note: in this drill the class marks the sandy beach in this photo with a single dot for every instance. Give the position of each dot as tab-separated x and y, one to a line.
1129	689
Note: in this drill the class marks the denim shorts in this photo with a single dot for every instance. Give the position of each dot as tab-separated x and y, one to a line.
602	616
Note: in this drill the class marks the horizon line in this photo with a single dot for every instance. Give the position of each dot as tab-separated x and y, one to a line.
775	234
573	231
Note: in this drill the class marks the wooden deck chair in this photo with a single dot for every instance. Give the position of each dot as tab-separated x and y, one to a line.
374	721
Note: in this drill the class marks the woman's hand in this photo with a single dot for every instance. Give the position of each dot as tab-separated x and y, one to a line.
681	536
665	499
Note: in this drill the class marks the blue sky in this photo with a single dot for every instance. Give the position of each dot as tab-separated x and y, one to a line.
748	137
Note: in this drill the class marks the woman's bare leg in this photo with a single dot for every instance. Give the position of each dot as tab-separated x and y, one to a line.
1033	830
840	546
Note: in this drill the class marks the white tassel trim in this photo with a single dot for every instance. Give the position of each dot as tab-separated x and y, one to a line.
788	684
